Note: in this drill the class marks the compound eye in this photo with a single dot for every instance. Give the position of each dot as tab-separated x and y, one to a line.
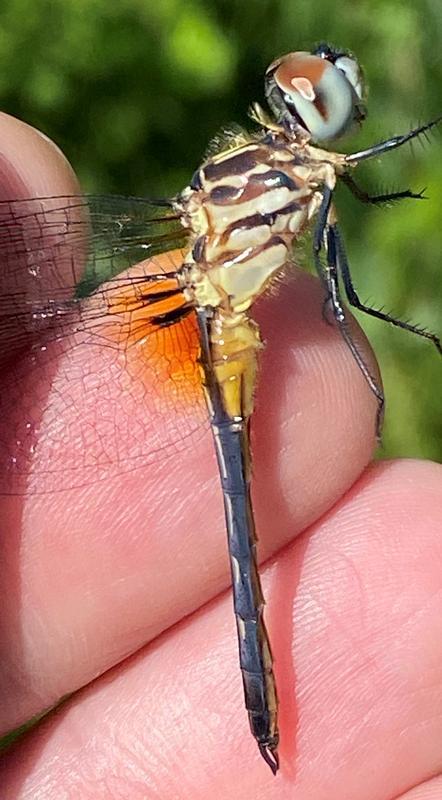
321	96
352	71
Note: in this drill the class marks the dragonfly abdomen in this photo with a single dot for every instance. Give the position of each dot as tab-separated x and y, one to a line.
256	662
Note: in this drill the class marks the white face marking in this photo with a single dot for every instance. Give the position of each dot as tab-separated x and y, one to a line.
304	87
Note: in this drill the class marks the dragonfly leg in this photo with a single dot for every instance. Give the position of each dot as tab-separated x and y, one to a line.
379	199
353	299
328	274
393	143
231	436
326	304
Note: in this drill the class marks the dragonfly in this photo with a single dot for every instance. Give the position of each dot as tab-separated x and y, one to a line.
84	293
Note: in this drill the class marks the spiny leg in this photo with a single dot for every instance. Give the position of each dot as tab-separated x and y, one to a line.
353	299
318	241
393	143
379	199
324	234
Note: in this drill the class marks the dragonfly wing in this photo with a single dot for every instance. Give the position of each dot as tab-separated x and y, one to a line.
55	249
101	384
127	230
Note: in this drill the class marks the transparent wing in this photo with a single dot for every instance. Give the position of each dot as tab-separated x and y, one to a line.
58	240
100	372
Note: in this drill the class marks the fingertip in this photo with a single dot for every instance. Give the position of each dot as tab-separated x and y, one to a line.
314	427
35	252
31	164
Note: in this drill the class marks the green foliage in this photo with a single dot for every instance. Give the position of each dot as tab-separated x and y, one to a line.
133	91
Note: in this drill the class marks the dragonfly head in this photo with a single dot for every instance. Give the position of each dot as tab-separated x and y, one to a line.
321	93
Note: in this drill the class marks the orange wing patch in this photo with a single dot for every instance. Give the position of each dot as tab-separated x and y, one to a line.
144	306
152	324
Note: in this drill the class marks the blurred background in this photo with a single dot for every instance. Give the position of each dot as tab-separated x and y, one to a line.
133	92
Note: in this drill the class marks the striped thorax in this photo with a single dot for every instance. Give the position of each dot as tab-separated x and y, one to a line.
244	207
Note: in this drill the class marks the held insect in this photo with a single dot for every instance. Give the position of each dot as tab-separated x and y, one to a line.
159	337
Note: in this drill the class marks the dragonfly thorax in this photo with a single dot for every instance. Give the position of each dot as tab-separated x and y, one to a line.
244	208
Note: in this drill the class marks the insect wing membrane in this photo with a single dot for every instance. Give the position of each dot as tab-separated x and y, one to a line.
101	384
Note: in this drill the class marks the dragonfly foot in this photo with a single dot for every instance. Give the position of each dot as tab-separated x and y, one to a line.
270	756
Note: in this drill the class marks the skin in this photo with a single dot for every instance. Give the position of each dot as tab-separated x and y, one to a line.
123	589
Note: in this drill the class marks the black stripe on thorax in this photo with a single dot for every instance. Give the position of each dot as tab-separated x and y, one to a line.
256	220
195	183
223	195
198	249
274	179
268	180
250	254
238	164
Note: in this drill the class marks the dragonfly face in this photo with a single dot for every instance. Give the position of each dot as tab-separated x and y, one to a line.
317	94
144	347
